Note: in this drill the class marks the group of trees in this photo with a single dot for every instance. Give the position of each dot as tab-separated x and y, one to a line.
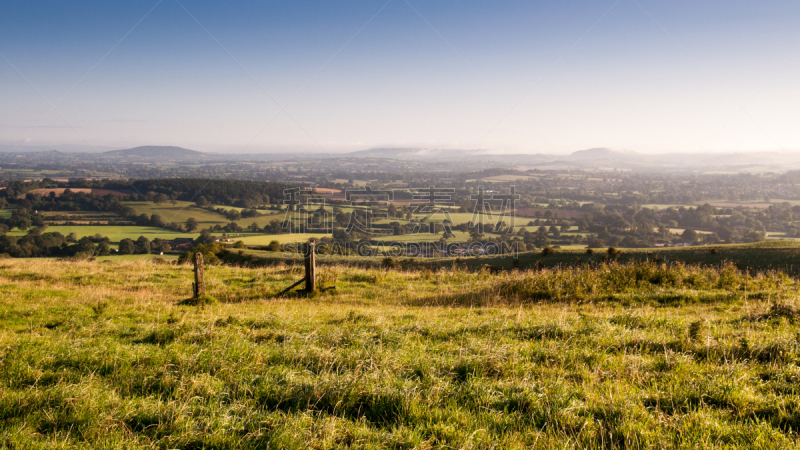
53	244
143	246
240	193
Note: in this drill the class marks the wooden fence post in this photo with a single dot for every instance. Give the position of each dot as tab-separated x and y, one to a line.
199	278
311	268
310	278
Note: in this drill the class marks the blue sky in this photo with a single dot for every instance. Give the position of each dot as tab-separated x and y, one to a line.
506	76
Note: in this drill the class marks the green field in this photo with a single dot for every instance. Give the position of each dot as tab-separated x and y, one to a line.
104	355
282	238
180	212
146	258
113	232
458	236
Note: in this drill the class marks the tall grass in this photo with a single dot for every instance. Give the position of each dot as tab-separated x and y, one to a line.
96	355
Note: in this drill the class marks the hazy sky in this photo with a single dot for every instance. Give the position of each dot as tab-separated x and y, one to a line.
509	76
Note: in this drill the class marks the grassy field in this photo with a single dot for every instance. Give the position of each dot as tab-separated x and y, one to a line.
180	212
282	238
114	232
458	236
104	355
760	257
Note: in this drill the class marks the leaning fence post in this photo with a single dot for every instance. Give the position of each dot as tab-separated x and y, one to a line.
311	268
199	285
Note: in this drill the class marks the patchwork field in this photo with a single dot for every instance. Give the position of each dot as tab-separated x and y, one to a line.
104	355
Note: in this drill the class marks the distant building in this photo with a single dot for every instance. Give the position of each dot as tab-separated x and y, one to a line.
181	244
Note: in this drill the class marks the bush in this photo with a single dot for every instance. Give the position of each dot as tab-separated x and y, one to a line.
595	243
210	253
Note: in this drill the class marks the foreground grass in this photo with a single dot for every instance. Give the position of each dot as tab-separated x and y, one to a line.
102	355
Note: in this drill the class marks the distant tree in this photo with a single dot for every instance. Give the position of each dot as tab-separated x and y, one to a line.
540	240
103	249
233	215
20	218
689	235
205	237
143	245
201	202
274	246
72	237
156	221
250	213
126	247
595	243
159	245
160	198
191	224
84	247
238	244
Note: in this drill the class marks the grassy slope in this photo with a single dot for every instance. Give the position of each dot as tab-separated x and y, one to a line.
101	355
763	256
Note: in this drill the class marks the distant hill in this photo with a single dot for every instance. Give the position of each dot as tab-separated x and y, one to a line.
157	151
387	152
413	153
600	153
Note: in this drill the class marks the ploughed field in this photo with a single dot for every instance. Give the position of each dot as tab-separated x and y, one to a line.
633	355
